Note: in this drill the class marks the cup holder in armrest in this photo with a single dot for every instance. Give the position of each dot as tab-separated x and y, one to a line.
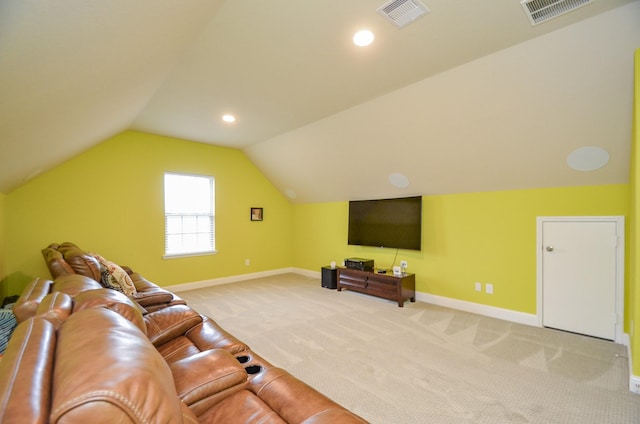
243	359
253	369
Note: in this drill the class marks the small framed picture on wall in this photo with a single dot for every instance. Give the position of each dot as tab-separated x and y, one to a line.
257	214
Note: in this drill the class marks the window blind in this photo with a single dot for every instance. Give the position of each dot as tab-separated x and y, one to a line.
189	210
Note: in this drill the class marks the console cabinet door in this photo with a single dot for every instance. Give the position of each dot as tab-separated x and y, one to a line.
382	285
353	280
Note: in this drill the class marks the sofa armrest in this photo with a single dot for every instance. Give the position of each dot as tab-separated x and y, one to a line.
152	296
210	335
295	401
28	302
170	322
202	380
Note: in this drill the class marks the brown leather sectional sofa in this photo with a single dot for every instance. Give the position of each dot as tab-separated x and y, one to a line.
68	259
84	353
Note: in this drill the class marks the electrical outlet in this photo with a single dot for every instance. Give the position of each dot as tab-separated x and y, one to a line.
488	288
478	286
247	262
403	265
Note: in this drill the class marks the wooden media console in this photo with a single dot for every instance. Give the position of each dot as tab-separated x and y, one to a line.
387	286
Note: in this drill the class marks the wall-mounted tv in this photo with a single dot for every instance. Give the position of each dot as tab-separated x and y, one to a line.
394	223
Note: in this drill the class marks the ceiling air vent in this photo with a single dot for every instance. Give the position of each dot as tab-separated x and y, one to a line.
540	11
402	12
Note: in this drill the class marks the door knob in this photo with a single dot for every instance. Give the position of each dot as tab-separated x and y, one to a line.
549	248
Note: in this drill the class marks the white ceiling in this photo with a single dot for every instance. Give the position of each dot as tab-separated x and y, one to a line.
470	97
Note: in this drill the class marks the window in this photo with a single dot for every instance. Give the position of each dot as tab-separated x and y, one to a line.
189	214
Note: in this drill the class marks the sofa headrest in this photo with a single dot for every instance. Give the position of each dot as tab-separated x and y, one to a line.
74	284
106	370
56	263
81	262
113	300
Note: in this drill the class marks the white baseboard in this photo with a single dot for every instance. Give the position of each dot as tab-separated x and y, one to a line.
477	308
226	280
634	384
634	380
307	273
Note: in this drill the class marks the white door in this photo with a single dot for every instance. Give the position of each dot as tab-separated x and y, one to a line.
581	273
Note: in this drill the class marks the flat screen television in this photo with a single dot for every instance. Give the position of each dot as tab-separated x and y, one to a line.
393	223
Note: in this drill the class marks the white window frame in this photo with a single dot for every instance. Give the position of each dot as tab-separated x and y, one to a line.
186	218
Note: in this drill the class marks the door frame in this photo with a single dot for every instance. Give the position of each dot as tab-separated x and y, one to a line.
620	258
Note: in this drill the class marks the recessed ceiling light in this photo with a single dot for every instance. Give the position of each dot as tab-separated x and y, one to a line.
363	38
588	158
291	194
228	118
399	180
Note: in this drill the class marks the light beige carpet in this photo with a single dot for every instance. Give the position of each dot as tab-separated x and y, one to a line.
423	363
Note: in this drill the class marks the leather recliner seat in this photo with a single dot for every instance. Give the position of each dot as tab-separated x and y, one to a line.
89	354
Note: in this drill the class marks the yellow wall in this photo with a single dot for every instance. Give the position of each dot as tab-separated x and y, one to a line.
634	247
3	239
110	200
485	237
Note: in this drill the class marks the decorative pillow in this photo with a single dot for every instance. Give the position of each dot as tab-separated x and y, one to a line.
108	281
114	277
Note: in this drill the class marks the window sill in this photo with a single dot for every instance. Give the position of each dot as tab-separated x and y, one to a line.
188	255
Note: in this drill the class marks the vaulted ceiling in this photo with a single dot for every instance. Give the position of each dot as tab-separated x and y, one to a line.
470	97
